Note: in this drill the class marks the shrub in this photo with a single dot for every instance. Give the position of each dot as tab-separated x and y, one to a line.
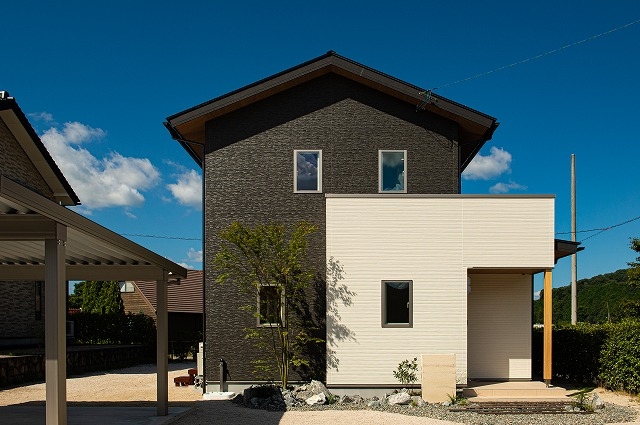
406	372
620	358
113	328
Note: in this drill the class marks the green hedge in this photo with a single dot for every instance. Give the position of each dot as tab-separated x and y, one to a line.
113	328
620	358
607	354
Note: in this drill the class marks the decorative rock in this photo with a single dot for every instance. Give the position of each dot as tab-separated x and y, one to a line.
446	403
303	392
399	398
596	402
316	399
357	399
417	401
373	403
346	400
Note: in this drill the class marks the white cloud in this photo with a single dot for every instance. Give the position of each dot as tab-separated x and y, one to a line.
188	189
536	295
506	187
42	116
193	255
113	181
488	167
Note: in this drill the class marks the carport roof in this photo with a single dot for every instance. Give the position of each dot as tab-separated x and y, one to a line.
92	252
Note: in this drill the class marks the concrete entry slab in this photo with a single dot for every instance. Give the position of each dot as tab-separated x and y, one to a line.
35	415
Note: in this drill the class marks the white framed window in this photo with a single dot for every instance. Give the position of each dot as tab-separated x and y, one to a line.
397	303
307	171
270	306
392	171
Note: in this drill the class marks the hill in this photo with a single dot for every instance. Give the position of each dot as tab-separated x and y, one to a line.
602	298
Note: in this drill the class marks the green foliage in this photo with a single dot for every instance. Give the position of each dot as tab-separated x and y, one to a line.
601	299
581	399
97	297
621	358
458	399
113	328
406	373
633	274
607	354
576	351
271	255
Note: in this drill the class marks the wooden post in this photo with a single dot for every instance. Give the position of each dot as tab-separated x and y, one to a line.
55	328
548	324
162	337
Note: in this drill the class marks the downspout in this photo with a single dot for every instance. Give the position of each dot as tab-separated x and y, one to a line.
186	144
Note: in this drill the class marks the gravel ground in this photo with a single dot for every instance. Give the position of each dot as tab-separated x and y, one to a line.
137	387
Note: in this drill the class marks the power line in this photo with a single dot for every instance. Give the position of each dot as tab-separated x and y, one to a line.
161	237
537	56
601	229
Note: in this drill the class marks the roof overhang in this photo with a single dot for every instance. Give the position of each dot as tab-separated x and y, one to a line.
30	142
563	248
188	127
92	252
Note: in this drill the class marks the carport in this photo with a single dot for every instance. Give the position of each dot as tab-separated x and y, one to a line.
44	241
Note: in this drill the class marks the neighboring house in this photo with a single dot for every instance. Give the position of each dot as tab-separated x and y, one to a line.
415	267
44	241
184	305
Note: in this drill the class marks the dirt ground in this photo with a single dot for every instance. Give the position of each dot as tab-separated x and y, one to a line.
130	385
136	386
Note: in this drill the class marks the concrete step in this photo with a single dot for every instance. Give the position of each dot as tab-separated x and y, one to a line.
504	391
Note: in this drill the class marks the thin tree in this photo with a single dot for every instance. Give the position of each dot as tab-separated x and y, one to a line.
270	260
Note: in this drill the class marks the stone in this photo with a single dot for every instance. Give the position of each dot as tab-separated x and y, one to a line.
316	399
303	392
416	400
399	398
346	400
596	402
373	403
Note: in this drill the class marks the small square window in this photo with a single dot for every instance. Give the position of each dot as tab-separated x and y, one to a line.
397	303
307	171
270	306
392	173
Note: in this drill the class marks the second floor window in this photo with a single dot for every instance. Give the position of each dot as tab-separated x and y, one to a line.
392	171
307	171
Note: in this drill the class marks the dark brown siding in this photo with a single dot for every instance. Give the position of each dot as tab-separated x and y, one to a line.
15	164
249	178
18	310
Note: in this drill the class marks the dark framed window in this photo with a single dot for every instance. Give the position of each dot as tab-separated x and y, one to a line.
307	171
270	304
392	172
397	303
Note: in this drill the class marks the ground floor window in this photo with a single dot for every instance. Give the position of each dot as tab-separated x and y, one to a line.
269	306
397	303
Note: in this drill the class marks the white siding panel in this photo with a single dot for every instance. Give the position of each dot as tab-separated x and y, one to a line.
431	241
376	239
499	326
508	232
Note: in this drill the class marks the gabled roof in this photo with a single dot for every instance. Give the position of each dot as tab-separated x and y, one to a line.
184	296
188	127
24	133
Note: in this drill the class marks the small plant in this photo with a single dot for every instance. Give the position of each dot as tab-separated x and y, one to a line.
332	399
407	370
581	400
457	399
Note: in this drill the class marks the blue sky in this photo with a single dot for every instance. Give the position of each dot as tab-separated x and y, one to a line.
98	79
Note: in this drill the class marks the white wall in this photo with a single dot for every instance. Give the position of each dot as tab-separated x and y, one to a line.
431	240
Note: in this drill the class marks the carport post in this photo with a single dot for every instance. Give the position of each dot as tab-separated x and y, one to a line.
55	327
162	329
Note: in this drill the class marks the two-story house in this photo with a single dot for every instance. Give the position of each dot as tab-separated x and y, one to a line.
376	164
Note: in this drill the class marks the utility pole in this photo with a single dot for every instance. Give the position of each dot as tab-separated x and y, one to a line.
574	259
